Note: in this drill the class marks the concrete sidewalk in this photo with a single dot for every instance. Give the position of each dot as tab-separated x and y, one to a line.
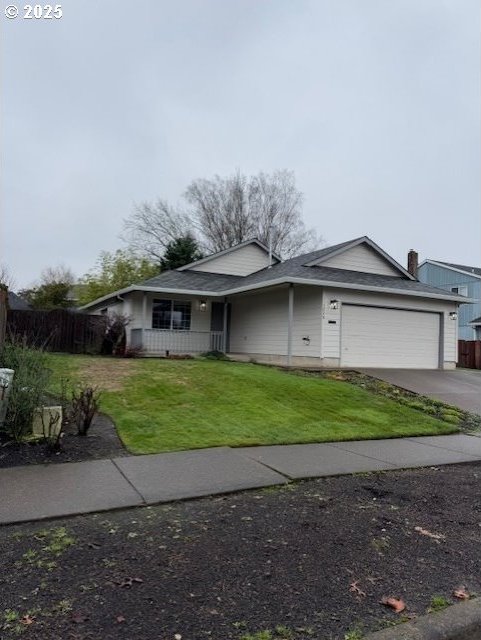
37	492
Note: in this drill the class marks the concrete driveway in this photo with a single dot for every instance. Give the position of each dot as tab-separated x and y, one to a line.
460	388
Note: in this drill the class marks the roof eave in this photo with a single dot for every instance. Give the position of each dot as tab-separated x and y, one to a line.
347	285
276	282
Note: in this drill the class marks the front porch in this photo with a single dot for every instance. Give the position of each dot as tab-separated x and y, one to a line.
163	342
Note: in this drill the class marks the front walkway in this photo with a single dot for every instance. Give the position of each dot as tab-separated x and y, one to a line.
48	491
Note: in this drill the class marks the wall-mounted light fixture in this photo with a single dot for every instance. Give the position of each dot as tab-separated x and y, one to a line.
334	305
202	305
453	315
306	340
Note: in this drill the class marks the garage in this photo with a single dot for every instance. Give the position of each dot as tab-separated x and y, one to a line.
390	338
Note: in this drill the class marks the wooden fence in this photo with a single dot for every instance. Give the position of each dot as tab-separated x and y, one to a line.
469	354
58	330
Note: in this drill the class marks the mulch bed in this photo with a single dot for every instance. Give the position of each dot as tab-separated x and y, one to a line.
315	557
102	441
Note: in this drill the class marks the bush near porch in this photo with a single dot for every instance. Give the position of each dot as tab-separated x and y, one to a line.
162	405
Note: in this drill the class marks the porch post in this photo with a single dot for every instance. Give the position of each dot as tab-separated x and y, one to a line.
290	319
144	318
224	328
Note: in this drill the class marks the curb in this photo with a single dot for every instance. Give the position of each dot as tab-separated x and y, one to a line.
458	622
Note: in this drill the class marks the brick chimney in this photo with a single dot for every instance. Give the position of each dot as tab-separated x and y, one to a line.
413	263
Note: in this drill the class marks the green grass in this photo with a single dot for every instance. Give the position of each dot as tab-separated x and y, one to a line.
168	405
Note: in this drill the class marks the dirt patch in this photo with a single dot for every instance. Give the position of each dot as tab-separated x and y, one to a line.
108	374
102	441
311	560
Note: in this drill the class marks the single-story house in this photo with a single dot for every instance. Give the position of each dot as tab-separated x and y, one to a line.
457	278
16	303
348	305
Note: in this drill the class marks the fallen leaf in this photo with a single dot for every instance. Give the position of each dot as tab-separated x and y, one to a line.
177	636
430	534
119	619
397	605
461	593
78	618
354	588
27	619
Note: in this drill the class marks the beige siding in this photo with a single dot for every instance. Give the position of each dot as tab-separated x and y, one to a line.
259	322
307	321
331	333
362	258
240	262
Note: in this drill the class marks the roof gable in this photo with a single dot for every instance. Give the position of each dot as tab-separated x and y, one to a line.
474	272
362	255
241	260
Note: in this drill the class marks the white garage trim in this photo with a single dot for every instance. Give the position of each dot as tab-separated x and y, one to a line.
390	337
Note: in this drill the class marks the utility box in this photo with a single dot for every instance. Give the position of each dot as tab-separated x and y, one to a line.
47	422
6	379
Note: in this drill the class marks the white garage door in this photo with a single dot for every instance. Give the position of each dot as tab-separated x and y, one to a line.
377	337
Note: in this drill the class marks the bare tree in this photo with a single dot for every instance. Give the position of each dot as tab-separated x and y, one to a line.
55	275
152	226
226	211
221	211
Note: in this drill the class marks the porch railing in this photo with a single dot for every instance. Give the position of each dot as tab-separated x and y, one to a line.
161	341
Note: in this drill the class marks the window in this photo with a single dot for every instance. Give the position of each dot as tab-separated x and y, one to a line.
462	290
171	314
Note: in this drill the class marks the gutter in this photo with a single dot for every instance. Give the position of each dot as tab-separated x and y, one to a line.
279	281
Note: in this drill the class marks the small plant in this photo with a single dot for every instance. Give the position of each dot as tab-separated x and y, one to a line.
28	387
133	352
214	355
381	544
259	635
283	632
355	634
9	615
438	603
85	405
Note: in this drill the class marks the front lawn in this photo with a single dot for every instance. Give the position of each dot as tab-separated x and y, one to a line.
169	405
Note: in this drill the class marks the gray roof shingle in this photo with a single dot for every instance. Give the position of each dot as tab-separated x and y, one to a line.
16	303
293	268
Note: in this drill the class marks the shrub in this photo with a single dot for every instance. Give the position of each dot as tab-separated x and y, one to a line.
214	355
29	385
85	404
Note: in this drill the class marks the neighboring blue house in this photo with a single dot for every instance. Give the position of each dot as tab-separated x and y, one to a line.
461	279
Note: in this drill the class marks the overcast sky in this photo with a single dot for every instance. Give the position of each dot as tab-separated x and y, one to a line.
374	105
